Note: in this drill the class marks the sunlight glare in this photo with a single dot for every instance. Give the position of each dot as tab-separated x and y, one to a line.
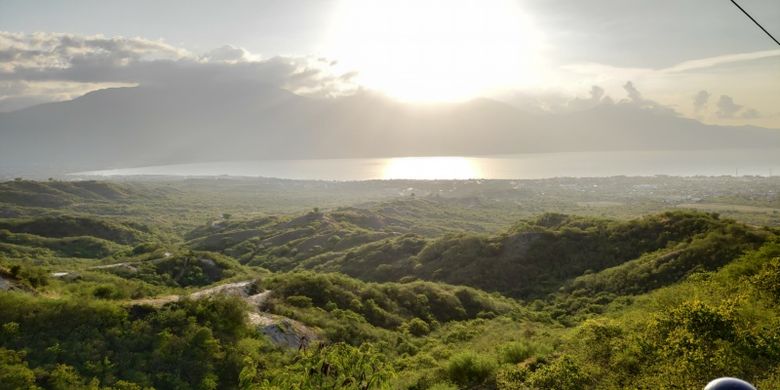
435	50
431	168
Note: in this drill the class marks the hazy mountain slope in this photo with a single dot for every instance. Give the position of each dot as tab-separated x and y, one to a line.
157	125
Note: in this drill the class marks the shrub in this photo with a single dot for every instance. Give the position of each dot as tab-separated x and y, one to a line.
443	386
299	301
562	374
511	377
14	372
107	291
418	327
516	352
468	368
768	280
336	366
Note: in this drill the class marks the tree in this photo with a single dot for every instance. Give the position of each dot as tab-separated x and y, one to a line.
335	366
14	372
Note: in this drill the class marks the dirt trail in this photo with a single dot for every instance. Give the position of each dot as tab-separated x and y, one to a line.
236	289
282	331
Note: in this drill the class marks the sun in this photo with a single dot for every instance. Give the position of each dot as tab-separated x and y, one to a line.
434	50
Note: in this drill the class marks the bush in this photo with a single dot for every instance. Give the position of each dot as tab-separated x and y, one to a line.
562	374
336	366
511	377
299	301
418	327
443	386
107	291
14	372
468	369
768	280
516	352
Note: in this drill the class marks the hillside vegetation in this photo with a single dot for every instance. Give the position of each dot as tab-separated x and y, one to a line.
130	290
530	260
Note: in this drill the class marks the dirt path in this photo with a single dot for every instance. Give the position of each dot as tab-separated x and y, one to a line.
281	330
236	289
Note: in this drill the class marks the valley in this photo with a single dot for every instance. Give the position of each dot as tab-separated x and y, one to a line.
256	283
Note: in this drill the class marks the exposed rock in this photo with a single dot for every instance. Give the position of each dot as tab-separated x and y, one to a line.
282	331
5	284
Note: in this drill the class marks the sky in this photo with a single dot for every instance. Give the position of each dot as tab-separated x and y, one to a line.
700	58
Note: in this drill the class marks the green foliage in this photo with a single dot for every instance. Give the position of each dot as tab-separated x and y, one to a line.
418	327
531	260
191	344
563	373
768	279
386	305
516	352
698	342
511	377
704	252
299	301
672	299
65	377
14	372
469	369
536	258
26	275
72	226
193	268
83	247
335	366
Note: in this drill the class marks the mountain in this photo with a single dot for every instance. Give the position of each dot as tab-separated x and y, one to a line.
150	125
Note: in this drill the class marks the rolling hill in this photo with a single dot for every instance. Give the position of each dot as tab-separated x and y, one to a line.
415	293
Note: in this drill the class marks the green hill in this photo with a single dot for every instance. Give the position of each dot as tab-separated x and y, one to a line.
532	259
180	270
129	290
54	194
82	247
71	226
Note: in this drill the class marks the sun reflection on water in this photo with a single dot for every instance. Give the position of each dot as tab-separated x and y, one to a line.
431	168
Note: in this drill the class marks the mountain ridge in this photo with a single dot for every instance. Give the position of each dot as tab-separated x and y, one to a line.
158	125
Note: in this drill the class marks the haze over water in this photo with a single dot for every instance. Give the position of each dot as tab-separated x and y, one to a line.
760	162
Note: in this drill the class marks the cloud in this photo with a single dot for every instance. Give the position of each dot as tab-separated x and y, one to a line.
39	51
609	71
727	108
229	54
94	62
636	100
751	76
633	94
710	62
597	96
700	100
750	113
596	93
556	102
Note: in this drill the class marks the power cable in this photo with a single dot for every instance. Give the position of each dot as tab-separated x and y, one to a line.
756	22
